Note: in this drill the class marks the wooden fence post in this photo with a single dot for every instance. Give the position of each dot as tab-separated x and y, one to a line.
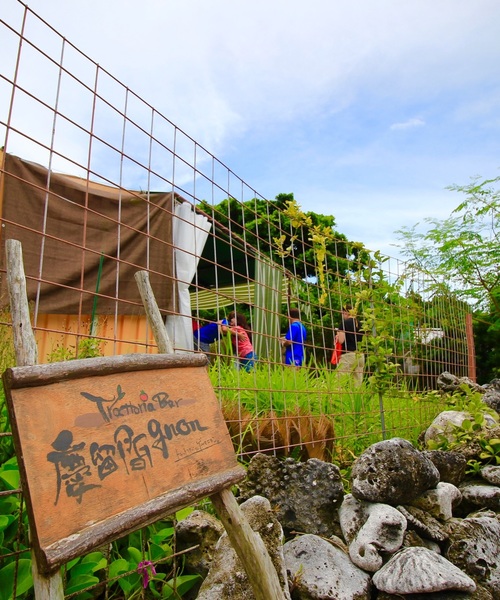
248	545
46	587
471	354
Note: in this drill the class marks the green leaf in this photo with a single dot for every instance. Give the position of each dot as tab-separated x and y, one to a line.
93	557
11	478
180	515
5	521
466	425
97	560
162	535
130	583
156	552
119	566
81	569
73	562
9	505
24	578
135	554
181	584
80	582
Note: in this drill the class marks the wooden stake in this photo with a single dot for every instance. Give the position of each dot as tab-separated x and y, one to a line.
46	587
153	314
247	544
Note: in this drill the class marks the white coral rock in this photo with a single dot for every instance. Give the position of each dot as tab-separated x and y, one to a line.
418	570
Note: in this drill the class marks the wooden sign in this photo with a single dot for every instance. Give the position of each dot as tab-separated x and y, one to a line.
108	445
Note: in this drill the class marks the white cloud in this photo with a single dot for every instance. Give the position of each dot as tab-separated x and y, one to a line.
222	61
409	124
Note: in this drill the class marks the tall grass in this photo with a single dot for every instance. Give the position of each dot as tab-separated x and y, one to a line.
313	411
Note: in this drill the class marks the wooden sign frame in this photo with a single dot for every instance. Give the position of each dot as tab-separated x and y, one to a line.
108	445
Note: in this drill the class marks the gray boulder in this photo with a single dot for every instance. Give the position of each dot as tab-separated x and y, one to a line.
491	474
417	570
318	569
479	495
392	472
444	424
200	531
451	465
227	579
304	496
474	547
447	382
492	394
479	594
423	523
440	501
412	538
371	530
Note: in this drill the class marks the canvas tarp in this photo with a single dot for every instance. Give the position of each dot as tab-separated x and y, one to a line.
76	234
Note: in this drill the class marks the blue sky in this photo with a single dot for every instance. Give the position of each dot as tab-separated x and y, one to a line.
366	110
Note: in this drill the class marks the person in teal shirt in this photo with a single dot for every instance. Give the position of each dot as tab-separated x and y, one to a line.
294	340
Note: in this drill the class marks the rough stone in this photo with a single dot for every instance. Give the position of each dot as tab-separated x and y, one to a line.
474	547
479	594
492	394
471	544
478	495
418	570
447	382
440	501
491	474
319	570
423	523
304	496
371	530
445	422
451	465
199	529
411	538
227	579
392	472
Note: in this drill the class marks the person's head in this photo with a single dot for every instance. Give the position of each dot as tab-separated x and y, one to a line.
236	318
347	309
294	314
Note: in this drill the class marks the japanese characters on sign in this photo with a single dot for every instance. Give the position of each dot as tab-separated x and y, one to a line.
81	466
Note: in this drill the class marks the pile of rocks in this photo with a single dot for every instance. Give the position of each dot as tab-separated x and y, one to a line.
413	527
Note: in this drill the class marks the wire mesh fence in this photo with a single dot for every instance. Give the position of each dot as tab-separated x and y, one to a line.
97	184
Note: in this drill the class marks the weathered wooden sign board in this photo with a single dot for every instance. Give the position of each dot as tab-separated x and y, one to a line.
108	445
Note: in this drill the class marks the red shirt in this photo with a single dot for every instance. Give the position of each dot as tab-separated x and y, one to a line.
242	345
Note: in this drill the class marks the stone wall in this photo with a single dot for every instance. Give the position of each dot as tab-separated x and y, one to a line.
413	526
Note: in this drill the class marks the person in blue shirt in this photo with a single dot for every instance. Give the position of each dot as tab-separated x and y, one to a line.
205	336
294	340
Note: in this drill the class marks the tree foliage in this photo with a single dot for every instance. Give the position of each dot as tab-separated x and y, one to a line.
463	249
279	229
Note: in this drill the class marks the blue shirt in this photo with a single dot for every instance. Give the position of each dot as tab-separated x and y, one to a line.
208	333
294	353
